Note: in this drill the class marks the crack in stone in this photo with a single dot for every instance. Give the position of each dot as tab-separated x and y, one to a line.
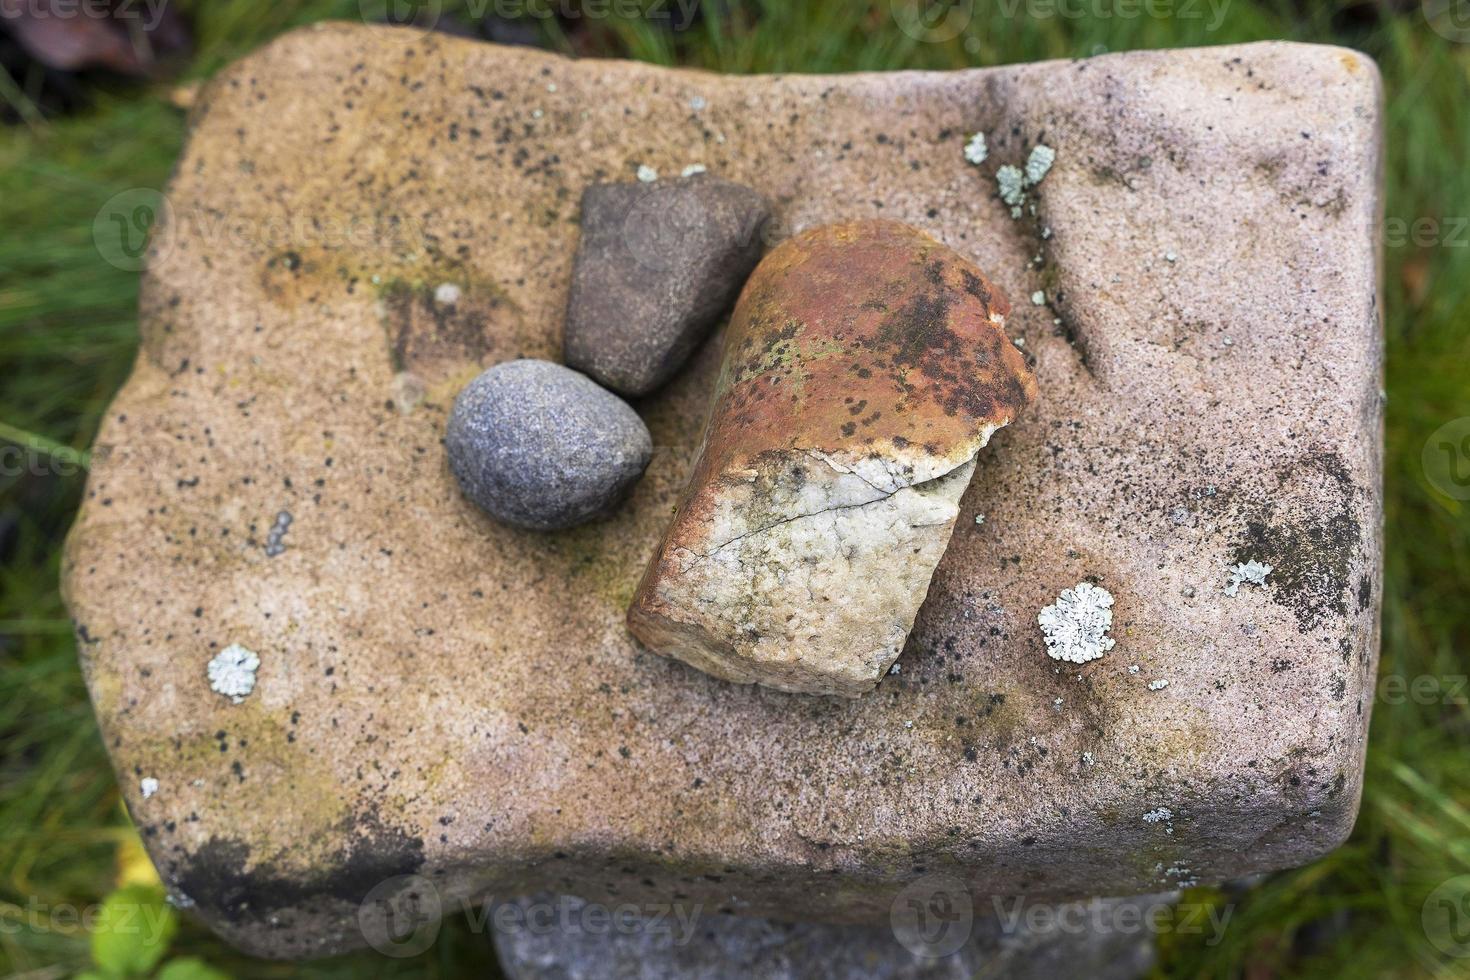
883	496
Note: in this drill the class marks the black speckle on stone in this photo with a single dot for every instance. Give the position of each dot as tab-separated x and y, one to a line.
217	879
1311	549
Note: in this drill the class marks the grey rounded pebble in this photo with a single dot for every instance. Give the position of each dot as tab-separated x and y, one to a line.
539	446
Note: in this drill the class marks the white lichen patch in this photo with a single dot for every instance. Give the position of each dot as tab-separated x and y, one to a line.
692	169
1038	298
1075	627
698	103
1158	685
1161	815
1038	163
148	785
979	519
1251	573
232	672
976	151
646	173
1012	184
447	294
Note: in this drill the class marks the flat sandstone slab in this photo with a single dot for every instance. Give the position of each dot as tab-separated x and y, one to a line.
366	217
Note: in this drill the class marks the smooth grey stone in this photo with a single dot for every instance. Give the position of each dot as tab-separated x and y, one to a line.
658	264
539	446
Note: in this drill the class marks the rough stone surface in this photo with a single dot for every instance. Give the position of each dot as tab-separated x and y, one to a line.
441	694
864	368
540	446
657	265
548	937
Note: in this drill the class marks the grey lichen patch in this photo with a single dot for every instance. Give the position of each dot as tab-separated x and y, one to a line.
1039	163
1075	627
275	540
1013	182
1249	573
975	150
1012	185
232	672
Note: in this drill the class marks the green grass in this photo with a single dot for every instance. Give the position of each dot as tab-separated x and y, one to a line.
68	332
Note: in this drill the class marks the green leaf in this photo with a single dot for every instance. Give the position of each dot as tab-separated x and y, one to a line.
133	930
190	968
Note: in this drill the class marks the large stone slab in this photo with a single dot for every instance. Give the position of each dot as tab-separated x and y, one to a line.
442	695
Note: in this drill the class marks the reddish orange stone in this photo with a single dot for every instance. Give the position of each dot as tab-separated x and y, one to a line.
863	360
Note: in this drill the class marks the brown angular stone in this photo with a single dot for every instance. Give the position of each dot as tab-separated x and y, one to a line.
658	263
864	368
441	695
